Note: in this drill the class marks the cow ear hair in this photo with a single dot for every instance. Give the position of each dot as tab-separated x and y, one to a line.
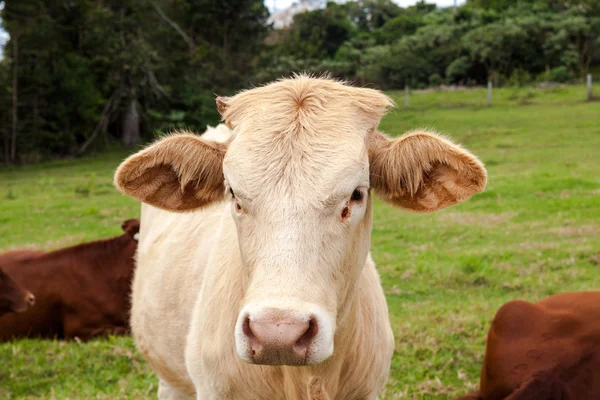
181	172
422	171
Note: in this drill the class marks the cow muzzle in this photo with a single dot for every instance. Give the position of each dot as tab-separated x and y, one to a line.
278	336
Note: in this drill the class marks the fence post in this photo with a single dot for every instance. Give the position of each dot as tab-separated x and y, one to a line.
589	87
489	93
406	96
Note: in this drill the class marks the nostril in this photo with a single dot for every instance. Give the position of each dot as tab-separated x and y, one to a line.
307	337
31	299
247	329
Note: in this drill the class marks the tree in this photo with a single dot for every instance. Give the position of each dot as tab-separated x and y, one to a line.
369	15
79	75
317	34
404	24
493	45
85	72
17	18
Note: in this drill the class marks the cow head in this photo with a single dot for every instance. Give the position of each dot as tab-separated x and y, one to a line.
297	172
12	297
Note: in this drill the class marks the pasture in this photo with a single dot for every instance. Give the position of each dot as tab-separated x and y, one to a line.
534	232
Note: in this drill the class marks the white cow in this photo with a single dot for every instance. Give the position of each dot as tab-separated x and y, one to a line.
254	279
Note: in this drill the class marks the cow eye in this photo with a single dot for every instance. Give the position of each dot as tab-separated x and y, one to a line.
357	195
231	191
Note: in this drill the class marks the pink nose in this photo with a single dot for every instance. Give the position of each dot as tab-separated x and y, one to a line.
277	340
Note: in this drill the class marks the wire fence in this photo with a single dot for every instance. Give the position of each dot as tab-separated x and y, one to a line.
589	91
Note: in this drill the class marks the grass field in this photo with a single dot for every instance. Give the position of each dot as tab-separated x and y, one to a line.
533	233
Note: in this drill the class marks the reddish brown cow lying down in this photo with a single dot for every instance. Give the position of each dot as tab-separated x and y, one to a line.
19	255
13	298
81	291
549	350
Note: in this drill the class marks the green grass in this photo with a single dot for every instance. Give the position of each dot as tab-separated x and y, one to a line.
534	232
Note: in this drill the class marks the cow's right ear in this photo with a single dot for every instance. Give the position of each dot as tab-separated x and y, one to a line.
181	172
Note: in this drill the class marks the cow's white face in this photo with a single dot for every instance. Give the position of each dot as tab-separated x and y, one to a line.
303	228
297	173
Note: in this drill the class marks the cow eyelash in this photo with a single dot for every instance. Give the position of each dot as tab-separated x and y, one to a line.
357	195
238	206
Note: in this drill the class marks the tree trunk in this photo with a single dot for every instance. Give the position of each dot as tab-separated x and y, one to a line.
6	135
36	111
15	99
184	36
130	135
584	56
495	77
226	49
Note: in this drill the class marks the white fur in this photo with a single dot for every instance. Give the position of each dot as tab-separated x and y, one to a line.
220	134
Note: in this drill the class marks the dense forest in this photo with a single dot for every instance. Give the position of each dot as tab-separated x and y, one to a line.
85	75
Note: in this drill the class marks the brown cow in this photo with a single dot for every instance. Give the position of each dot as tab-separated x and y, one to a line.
82	291
549	350
13	298
19	255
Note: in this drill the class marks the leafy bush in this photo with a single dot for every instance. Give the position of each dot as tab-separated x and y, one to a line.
458	69
371	63
435	80
519	78
560	74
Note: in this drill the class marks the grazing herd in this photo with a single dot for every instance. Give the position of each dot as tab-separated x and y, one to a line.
249	275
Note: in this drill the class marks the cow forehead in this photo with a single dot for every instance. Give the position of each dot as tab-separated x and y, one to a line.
305	104
314	166
300	135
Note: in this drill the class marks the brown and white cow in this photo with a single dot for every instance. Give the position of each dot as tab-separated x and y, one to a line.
81	291
13	298
548	350
256	251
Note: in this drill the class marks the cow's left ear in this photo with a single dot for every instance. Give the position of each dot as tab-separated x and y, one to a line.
422	171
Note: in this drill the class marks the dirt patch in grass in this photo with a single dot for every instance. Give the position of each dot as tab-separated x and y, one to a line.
27	246
421	247
576	230
433	386
70	240
539	245
476	219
